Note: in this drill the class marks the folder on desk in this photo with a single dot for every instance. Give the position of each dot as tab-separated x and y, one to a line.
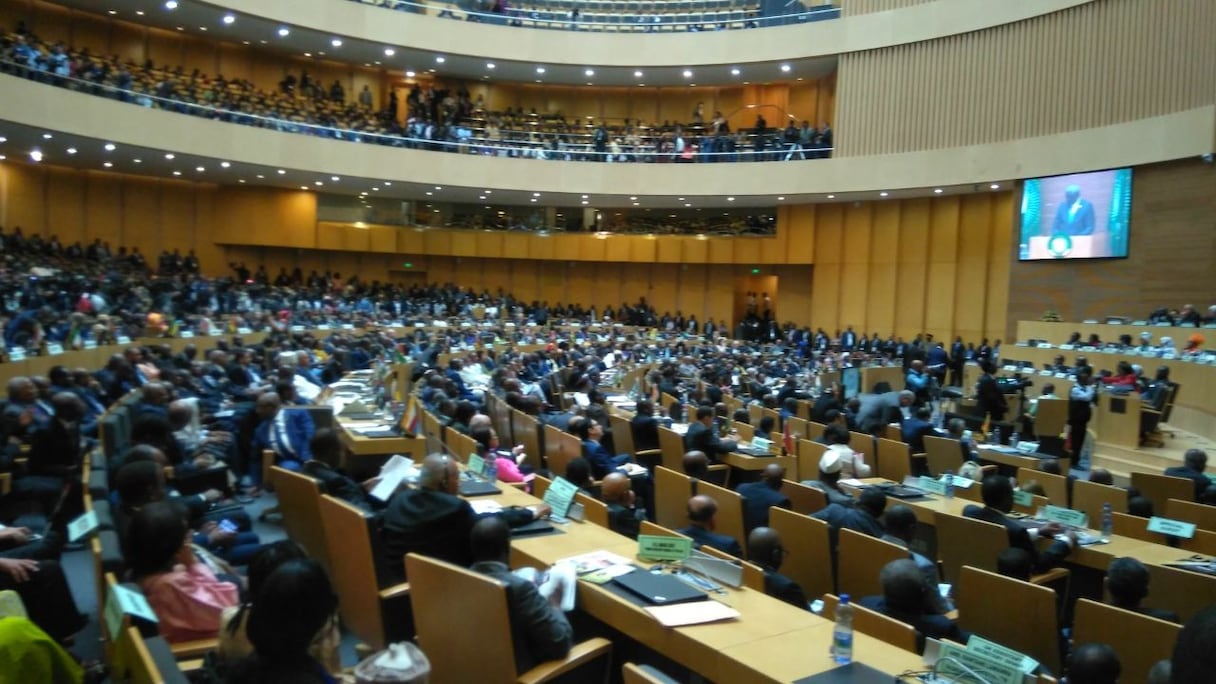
659	589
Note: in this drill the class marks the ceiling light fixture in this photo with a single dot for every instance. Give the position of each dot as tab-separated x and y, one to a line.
491	66
884	193
47	136
229	19
169	155
110	147
734	71
785	68
540	70
781	198
637	74
284	32
171	4
440	59
687	73
937	191
336	42
200	169
389	52
108	164
36	155
995	186
282	172
335	178
224	164
71	150
589	72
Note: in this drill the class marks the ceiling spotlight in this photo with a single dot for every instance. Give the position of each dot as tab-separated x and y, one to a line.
409	74
387	183
536	194
583	197
637	74
36	155
71	150
261	176
202	28
169	155
730	199
335	179
429	193
633	199
532	199
389	52
687	73
224	165
303	187
112	12
3	139
241	180
734	71
937	191
108	164
995	186
785	68
138	161
438	188
200	169
177	173
171	4
589	72
831	196
884	193
336	42
440	59
110	147
47	136
230	19
491	65
635	204
282	172
781	198
540	70
687	205
318	183
491	192
284	32
584	201
308	54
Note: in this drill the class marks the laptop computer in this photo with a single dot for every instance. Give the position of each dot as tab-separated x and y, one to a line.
534	527
473	486
659	589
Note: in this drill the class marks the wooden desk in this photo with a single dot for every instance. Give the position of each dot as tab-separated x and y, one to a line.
804	652
1117	420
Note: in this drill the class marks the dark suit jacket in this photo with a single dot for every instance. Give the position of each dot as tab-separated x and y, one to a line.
758	497
784	588
701	438
602	462
703	537
645	432
822	405
856	519
990	397
914	430
299	428
925	624
625	520
1201	481
539	631
1081	223
1020	538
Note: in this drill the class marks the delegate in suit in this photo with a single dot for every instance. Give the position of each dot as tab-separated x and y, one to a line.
997	493
1075	216
702	437
286	433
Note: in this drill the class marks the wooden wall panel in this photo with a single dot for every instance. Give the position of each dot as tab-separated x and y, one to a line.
1095	64
176	222
971	271
65	215
104	218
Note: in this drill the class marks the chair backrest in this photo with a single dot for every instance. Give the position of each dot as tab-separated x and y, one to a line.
804	499
1203	542
797	428
622	435
672	446
746	432
594	510
1089	497
875	624
451	600
966	541
672	489
809	562
1181	591
942	454
1203	515
433	432
809	454
300	503
1050	417
814	430
632	673
348	533
1139	640
560	449
526	431
461	445
753	575
1054	486
1161	488
894	460
729	519
863	444
139	661
986	601
657	530
861	558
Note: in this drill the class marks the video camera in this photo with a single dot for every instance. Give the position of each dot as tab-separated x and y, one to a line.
1016	383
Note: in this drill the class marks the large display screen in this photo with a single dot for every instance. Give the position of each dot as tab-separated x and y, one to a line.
1077	216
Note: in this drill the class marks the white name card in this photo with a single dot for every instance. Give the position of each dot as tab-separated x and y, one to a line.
1174	528
187	334
54	349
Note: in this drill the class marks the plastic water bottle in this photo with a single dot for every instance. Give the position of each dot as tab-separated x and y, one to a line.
1108	522
1014	438
842	633
949	481
995	436
492	467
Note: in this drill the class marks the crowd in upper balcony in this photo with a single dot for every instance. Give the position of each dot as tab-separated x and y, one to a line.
435	118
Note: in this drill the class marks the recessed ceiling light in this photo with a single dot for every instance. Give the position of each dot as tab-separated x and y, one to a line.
171	4
181	28
245	42
633	199
532	200
429	193
937	191
831	196
47	136
687	205
303	187
536	194
583	197
363	194
734	71
202	28
589	72
409	74
884	193
177	173
108	164
261	176
169	155
284	32
2	158
138	161
71	150
281	172
730	199
540	70
113	12
110	147
229	19
225	164
481	197
389	52
241	180
36	155
3	139
487	192
584	201
637	74
785	68
376	189
781	198
635	204
681	199
387	183
440	59
308	54
438	188
335	178
139	13
995	186
200	169
318	183
336	42
687	73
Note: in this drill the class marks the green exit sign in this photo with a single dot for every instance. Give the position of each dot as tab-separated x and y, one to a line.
408	264
755	271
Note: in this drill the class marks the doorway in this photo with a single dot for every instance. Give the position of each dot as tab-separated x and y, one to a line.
755	294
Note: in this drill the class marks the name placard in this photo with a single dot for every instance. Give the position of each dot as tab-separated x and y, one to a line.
54	349
16	354
323	326
560	495
349	326
82	526
931	485
186	334
1002	654
1065	516
243	330
123	601
477	464
1021	498
954	661
1174	528
664	548
122	339
297	328
90	344
216	332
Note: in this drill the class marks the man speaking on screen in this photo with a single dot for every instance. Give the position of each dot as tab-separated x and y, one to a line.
1075	216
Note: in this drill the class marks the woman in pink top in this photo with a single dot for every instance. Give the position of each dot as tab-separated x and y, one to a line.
508	466
186	595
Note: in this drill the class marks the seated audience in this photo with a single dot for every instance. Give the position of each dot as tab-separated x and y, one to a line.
1093	664
904	597
702	436
997	493
900	522
914	430
286	433
840	457
507	464
829	480
591	432
702	520
1194	463
762	495
865	517
764	548
625	516
1127	582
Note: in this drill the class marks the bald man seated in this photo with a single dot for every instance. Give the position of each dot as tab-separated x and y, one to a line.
434	521
904	593
624	514
702	516
765	549
762	495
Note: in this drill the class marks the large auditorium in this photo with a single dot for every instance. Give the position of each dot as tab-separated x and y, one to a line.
630	341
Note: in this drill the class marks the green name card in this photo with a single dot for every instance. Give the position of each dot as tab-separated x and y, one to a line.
1003	654
1065	516
1022	498
560	495
82	526
954	661
477	464
932	486
1174	528
123	601
664	548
